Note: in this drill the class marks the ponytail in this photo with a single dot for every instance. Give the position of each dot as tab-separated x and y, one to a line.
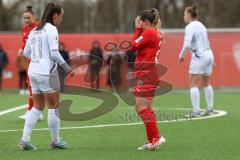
192	10
156	16
152	16
48	14
157	22
29	9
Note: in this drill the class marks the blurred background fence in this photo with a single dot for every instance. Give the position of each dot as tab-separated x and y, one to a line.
225	44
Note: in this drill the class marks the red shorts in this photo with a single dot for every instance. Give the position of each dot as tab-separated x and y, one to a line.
146	85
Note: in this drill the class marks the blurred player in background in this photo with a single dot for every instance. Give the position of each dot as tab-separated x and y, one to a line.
29	25
42	48
22	64
64	53
114	62
3	65
202	60
96	54
147	42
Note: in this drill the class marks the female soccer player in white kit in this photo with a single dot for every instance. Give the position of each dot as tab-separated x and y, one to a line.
42	49
202	60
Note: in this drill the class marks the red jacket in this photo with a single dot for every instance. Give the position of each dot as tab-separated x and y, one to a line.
26	29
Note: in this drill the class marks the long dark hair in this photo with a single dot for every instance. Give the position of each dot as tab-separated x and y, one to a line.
49	11
192	10
29	9
151	15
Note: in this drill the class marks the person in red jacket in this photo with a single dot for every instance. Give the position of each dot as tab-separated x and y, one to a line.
147	42
29	25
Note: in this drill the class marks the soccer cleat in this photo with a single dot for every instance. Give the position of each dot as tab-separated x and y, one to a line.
26	92
24	116
208	113
60	145
21	92
156	142
147	146
193	115
26	146
41	117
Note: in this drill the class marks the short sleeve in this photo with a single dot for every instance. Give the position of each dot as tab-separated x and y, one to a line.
53	39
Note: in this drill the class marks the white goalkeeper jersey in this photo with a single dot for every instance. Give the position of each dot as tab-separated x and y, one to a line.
196	39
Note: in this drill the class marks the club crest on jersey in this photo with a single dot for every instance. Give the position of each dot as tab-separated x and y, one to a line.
139	39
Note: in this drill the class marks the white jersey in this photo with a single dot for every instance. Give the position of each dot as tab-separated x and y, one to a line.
38	48
196	39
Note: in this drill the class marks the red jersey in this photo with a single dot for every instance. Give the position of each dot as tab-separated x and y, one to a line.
147	43
26	29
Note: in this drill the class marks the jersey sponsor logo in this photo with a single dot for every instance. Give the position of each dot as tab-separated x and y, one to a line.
139	39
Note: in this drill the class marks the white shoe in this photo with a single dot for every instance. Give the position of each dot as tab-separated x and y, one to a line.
158	142
21	92
193	115
26	92
208	113
147	146
41	117
23	116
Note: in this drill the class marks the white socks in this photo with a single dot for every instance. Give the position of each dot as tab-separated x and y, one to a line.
30	122
209	96
54	124
195	99
32	118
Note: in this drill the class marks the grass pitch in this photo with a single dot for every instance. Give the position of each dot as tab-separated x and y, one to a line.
214	138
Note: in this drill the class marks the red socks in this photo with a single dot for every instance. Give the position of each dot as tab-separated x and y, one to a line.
150	123
30	100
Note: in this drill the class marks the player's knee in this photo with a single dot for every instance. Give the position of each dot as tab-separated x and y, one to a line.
140	104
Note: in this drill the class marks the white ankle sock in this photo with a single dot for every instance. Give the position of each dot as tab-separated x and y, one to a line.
54	124
209	96
195	99
30	122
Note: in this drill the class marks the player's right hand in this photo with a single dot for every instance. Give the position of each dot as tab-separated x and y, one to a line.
20	52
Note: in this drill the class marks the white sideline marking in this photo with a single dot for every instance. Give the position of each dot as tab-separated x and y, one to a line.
13	109
219	114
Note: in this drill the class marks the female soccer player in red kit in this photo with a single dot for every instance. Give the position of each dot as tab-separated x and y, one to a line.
29	25
147	42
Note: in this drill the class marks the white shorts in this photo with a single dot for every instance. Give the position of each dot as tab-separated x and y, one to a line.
44	84
202	65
